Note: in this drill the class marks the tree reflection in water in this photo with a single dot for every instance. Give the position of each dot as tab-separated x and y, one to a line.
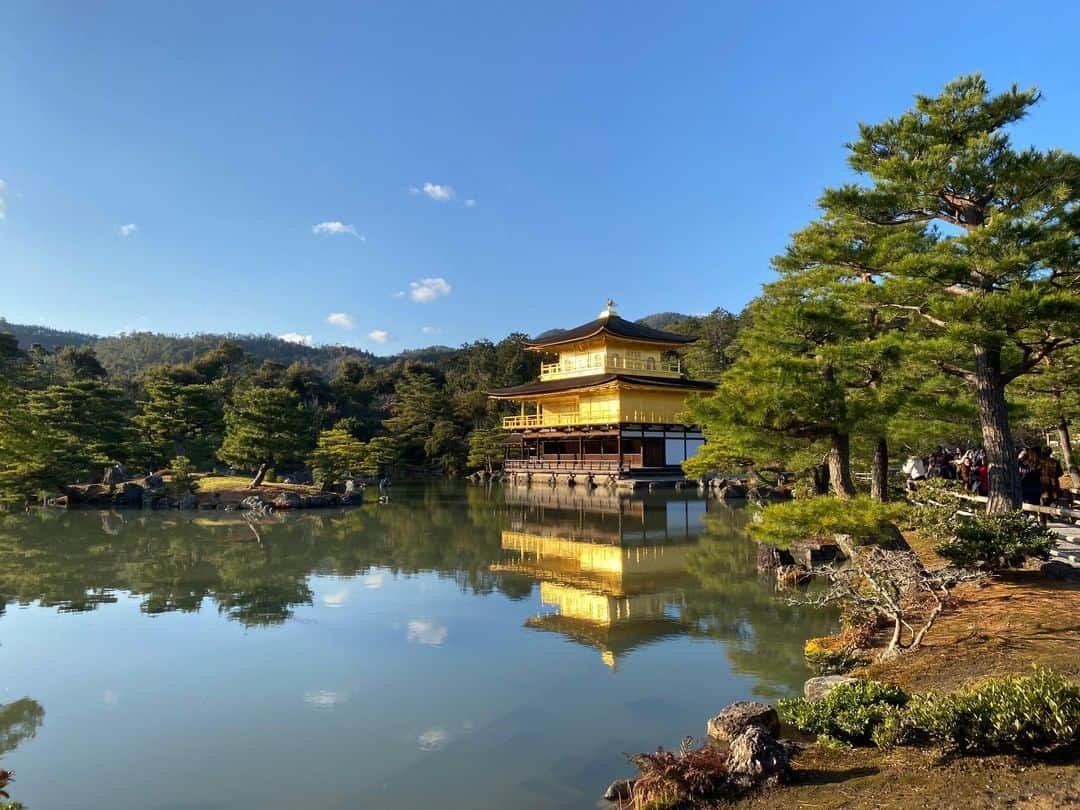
616	571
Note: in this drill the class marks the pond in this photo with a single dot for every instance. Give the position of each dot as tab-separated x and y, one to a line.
456	647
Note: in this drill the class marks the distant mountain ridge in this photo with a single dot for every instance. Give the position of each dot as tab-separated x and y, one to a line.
132	353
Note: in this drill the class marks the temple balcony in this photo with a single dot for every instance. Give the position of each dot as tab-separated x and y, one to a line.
594	416
612	364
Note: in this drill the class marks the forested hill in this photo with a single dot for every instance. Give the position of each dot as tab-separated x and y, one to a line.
128	355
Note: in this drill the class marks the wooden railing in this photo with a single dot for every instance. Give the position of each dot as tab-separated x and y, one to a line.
574	367
553	419
572	464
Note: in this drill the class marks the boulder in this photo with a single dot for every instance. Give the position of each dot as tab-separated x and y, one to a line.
253	503
733	492
771	558
1057	569
621	790
736	718
129	496
819	687
189	501
755	757
286	500
894	542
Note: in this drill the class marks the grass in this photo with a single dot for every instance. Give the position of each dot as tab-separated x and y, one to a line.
231	483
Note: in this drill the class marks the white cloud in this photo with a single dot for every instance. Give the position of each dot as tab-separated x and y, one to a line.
340	320
430	330
324	698
128	230
336	599
414	190
3	199
111	699
400	294
379	335
470	203
434	739
335	227
373	581
428	289
437	192
423	631
293	337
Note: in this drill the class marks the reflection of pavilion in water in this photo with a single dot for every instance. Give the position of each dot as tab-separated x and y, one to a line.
612	565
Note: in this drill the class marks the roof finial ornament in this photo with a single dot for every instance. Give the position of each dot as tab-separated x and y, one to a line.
607	313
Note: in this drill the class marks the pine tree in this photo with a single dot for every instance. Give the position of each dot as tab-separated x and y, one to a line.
338	455
91	419
992	290
486	448
34	456
265	427
180	420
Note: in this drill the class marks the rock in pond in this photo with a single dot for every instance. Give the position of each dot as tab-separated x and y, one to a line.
736	718
129	496
286	500
817	688
620	790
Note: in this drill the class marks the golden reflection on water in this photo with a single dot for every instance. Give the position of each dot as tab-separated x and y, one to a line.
612	566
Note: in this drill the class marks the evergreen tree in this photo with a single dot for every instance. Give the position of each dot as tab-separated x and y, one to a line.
180	420
486	448
33	456
419	403
993	289
265	427
338	455
91	419
1051	395
811	370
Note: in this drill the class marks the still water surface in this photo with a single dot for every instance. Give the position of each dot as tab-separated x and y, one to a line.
454	648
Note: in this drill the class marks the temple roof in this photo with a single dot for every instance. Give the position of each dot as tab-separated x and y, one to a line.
610	324
593	380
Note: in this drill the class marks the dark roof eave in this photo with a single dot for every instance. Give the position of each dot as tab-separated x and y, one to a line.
612	325
594	380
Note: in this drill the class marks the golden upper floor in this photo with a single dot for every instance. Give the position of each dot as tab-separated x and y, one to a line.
610	344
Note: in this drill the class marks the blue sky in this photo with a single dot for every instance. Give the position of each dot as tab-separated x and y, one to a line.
478	168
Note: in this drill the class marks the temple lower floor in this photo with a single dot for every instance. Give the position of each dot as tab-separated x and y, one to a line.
613	451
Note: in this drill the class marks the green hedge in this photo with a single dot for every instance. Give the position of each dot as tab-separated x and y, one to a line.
1018	713
850	714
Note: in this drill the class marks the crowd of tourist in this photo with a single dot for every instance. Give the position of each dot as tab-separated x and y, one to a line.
1040	472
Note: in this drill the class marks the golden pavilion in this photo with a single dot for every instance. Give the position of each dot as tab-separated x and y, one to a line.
608	403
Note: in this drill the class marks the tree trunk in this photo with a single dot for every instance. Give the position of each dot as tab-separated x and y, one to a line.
879	473
820	476
259	476
840	466
1066	452
1003	472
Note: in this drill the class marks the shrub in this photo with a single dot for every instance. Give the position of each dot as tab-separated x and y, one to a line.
866	520
851	714
183	480
1018	713
688	776
995	542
